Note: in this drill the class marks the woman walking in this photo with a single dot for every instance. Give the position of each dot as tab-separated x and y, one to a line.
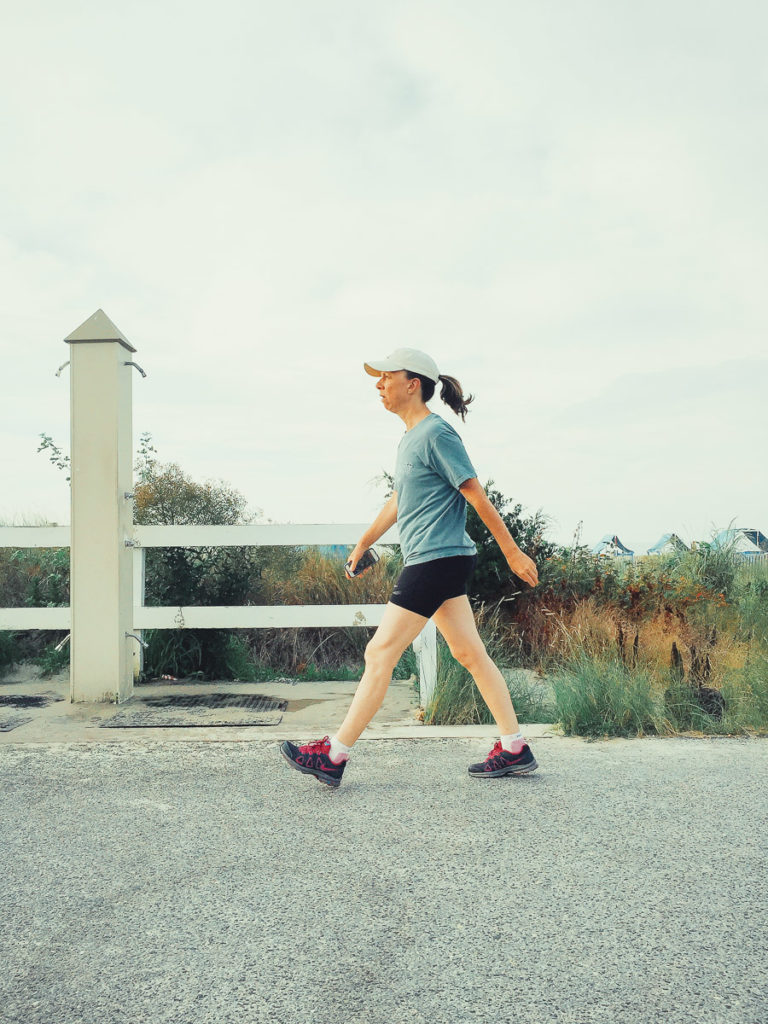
434	480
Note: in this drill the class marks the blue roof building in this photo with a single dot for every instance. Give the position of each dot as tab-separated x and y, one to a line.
667	544
610	546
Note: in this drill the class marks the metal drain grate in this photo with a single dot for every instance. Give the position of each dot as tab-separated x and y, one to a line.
18	701
252	701
27	700
8	722
198	710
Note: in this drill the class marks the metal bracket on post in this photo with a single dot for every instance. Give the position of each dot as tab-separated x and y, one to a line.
130	362
425	646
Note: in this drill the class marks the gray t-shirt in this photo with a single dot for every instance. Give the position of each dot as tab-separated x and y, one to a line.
431	511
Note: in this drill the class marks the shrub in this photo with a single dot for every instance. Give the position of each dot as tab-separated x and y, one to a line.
601	697
164	494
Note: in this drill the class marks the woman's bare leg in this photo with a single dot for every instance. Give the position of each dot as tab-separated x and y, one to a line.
456	621
397	630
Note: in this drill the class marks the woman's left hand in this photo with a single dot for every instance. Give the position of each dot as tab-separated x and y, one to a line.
523	566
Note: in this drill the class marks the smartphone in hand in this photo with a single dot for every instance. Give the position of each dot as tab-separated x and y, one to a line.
367	559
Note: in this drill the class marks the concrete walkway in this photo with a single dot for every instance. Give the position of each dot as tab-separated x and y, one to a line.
158	880
314	709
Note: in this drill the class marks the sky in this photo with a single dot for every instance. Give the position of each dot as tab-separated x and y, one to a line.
563	203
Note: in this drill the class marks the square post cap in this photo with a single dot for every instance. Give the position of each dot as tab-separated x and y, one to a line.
98	327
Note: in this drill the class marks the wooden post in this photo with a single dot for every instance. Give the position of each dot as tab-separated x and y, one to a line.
101	600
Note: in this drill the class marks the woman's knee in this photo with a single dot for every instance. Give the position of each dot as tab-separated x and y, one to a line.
382	654
470	656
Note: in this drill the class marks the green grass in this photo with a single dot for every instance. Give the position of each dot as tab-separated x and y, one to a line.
50	661
745	691
600	697
457	700
8	651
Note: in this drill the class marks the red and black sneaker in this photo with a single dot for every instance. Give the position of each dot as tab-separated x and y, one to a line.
314	759
504	762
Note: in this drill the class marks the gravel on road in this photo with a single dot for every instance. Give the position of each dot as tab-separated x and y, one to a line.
625	881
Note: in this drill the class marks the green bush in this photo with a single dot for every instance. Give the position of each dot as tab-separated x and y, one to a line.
715	567
176	577
34	577
753	607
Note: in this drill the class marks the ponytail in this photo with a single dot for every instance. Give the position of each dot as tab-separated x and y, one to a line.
453	396
451	392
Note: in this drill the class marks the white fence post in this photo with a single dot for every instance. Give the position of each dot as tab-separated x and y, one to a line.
139	585
425	646
101	598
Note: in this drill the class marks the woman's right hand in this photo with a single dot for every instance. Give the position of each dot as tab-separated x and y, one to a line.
357	553
524	567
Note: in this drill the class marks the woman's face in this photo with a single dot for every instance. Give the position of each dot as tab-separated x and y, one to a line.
395	389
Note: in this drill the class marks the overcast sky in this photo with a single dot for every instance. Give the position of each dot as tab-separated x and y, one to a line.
564	203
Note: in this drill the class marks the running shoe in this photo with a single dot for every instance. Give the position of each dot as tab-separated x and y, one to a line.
314	759
504	762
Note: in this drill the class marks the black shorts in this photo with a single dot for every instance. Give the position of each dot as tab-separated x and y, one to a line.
422	588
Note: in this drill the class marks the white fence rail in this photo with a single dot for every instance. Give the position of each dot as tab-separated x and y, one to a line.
250	616
35	537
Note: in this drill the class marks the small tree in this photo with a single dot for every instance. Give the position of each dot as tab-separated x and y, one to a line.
166	495
56	456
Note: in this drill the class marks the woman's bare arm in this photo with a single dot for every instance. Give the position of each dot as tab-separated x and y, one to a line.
383	521
520	564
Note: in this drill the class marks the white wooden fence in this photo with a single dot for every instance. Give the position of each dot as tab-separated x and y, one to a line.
223	616
107	612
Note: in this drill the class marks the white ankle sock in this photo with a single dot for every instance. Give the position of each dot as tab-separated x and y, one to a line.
338	748
515	740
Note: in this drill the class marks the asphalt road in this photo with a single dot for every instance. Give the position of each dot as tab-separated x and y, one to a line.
625	882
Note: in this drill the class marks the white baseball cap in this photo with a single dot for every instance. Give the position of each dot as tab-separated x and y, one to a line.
405	359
